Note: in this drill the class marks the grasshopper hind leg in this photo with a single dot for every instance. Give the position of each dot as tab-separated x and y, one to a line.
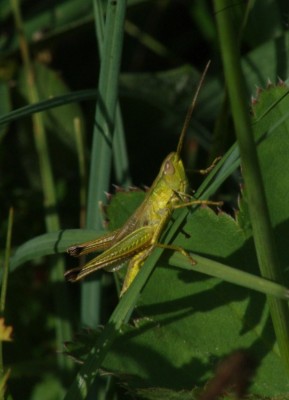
137	261
72	274
133	268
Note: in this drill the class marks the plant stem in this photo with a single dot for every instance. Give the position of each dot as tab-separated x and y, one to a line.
4	288
80	145
62	326
6	261
105	109
104	127
262	230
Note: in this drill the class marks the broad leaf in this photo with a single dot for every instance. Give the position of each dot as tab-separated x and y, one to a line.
186	322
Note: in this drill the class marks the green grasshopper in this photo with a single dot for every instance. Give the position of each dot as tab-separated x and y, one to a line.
137	238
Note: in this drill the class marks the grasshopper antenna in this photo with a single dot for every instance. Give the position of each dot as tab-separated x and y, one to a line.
191	109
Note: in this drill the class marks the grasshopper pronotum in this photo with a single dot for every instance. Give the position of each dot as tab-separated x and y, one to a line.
136	239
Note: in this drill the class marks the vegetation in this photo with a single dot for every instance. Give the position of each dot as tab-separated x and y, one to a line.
94	93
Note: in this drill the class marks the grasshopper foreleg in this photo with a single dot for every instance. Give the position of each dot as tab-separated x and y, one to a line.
196	202
209	169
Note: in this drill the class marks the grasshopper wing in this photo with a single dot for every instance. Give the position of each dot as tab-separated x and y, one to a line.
100	244
117	254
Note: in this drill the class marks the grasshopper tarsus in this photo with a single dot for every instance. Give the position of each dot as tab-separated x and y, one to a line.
71	275
179	250
208	203
209	169
74	250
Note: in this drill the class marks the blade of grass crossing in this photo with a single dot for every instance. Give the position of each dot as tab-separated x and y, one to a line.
229	274
57	101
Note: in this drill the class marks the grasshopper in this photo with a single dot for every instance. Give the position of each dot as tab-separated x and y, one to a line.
137	238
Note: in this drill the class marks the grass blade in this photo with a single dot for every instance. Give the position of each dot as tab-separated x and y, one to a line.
4	291
101	156
262	230
57	101
62	327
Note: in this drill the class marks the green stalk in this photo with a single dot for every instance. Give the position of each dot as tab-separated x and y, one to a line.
101	156
4	289
6	261
79	139
62	326
105	109
228	274
119	149
119	144
259	213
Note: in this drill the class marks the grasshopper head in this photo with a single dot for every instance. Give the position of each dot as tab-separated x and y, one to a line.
173	173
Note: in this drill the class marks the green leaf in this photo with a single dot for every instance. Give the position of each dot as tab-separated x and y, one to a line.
122	206
185	322
273	152
261	63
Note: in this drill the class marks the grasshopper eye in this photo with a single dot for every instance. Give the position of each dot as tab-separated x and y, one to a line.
169	168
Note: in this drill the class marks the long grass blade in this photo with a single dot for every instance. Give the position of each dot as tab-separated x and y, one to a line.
101	155
4	288
262	229
62	326
119	144
57	101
